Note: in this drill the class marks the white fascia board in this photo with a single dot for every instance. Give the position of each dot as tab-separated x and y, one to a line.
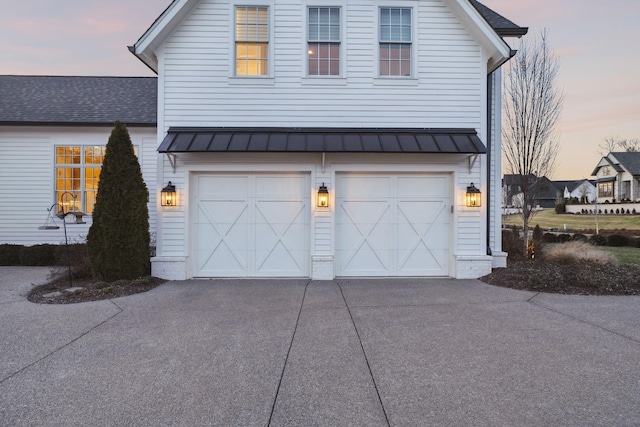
166	23
498	51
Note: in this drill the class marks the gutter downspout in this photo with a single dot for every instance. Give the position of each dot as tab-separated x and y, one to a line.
490	98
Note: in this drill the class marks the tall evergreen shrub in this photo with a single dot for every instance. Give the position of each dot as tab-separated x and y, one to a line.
118	240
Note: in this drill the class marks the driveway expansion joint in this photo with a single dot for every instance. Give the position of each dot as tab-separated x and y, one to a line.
595	325
364	353
286	359
2	380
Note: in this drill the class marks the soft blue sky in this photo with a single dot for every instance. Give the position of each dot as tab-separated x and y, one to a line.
597	42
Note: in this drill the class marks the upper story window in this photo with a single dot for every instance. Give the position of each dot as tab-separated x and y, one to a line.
395	41
252	41
606	170
78	172
324	41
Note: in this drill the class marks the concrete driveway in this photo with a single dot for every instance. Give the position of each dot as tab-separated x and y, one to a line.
367	352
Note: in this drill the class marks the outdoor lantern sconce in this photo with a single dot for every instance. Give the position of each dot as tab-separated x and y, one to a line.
473	196
323	197
168	195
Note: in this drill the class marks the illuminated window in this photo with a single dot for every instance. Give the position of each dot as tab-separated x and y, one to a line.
395	42
605	189
324	41
78	172
252	41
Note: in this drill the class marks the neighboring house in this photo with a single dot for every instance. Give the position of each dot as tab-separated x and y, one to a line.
53	131
583	189
392	108
546	193
617	176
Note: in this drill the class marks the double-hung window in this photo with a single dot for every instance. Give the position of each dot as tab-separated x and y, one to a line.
395	41
78	173
252	40
324	41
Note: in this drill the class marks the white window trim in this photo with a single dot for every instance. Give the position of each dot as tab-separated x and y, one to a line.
340	78
251	80
385	80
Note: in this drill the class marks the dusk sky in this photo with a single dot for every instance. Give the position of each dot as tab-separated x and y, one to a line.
597	43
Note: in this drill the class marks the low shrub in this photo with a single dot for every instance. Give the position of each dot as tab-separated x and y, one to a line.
617	240
549	238
38	255
578	237
573	251
598	240
10	254
513	244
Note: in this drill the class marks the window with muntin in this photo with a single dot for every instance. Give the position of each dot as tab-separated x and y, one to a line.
324	41
252	40
395	41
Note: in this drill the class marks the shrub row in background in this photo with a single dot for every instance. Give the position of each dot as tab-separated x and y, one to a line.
594	239
41	255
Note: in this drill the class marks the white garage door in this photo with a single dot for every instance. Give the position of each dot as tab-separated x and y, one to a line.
392	225
251	225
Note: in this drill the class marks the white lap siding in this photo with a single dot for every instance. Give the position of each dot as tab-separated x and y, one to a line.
27	178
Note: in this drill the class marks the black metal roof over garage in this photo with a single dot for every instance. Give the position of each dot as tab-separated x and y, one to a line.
336	140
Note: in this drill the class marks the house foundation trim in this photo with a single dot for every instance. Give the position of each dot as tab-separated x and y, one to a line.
170	268
472	266
322	267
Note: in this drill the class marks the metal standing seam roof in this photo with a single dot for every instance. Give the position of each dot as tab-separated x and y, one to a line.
78	100
198	140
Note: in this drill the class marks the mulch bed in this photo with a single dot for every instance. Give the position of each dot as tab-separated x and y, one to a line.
577	277
59	291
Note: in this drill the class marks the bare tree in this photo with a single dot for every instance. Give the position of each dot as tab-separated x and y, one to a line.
532	107
616	143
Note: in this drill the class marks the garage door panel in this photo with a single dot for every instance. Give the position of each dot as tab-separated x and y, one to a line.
411	237
364	261
255	234
221	244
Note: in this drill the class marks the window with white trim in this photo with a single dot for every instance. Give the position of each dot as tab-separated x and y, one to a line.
324	41
252	40
78	172
395	41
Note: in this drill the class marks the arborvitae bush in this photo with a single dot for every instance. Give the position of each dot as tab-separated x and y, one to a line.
118	240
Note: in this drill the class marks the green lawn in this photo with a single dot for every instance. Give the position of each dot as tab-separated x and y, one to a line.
624	255
548	218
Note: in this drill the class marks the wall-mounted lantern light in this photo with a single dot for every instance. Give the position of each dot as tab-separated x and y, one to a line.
323	196
473	196
168	195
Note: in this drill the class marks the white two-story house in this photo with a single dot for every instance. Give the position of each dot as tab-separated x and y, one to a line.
618	177
328	139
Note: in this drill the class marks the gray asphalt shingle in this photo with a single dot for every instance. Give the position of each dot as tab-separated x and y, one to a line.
78	100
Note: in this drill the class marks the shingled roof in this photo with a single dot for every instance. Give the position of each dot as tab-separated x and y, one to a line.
78	101
501	25
630	160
